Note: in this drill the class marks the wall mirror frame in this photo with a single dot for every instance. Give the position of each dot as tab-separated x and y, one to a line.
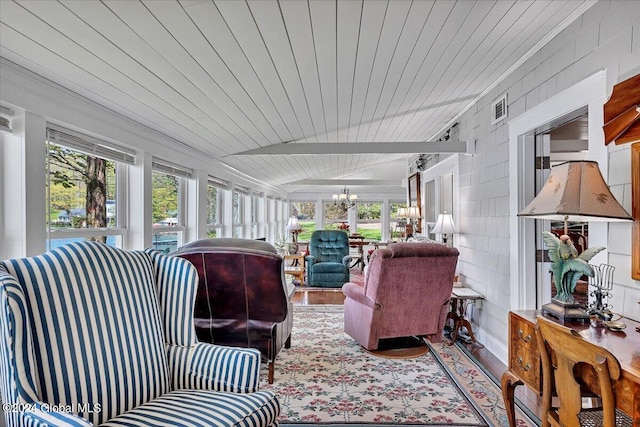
635	210
413	188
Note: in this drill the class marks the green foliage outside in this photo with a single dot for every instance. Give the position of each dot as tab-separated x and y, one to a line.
165	196
309	227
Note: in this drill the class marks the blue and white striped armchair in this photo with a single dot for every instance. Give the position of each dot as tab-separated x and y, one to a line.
97	336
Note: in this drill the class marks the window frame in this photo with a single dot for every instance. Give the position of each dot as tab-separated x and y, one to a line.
87	145
183	175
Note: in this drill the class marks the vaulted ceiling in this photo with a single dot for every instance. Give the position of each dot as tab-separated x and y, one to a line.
236	79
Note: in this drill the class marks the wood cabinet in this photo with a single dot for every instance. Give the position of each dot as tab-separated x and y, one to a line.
524	356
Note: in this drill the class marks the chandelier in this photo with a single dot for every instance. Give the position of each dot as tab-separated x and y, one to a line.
345	200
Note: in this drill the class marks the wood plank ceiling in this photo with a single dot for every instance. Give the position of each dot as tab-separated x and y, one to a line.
226	77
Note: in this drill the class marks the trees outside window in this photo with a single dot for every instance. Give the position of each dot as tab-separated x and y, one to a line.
306	214
168	224
81	197
213	210
369	219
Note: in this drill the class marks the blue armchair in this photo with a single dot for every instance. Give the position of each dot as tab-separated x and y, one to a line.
328	259
92	335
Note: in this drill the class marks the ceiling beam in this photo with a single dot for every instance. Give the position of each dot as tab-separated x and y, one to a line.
358	148
342	182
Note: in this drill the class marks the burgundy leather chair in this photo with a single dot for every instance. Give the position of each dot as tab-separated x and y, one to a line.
406	293
243	299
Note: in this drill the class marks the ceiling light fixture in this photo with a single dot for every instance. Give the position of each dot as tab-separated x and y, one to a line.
345	200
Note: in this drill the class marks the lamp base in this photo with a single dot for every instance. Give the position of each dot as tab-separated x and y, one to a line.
565	312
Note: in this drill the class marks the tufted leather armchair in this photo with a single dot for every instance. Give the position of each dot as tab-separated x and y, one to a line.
243	299
328	259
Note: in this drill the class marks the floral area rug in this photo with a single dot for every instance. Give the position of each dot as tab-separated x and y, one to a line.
327	378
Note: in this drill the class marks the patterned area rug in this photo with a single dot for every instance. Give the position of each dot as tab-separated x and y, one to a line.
327	378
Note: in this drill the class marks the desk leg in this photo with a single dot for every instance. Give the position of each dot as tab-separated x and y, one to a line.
509	383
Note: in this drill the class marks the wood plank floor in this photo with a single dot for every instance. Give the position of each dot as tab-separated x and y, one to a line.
483	356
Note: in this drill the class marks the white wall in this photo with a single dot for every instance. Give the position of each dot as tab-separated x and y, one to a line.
606	37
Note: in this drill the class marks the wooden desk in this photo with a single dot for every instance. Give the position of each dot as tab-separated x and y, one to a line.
525	366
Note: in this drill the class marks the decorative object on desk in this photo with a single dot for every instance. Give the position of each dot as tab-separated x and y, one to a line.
444	225
567	267
574	190
602	281
344	227
345	200
614	325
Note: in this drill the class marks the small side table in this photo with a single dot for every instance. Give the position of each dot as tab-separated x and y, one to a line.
460	299
296	268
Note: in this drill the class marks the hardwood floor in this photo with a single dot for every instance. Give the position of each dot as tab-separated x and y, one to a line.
318	296
490	362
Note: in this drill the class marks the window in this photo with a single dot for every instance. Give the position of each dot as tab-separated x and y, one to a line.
85	191
238	213
334	215
369	219
306	214
256	217
168	193
214	206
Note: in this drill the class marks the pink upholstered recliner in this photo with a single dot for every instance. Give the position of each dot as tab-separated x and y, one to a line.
406	293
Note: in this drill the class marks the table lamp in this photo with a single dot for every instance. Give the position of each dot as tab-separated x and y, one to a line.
413	216
574	191
444	225
294	228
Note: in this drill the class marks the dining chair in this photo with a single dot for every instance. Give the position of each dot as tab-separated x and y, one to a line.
570	364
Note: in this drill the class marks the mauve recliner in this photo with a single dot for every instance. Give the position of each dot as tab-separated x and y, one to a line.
243	299
406	293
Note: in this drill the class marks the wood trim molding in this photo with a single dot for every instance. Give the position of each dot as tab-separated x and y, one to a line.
622	112
635	211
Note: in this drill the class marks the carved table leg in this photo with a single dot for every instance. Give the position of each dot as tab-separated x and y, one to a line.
453	315
509	383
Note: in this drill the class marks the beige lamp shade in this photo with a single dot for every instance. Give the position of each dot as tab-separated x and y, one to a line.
413	212
402	213
576	191
293	224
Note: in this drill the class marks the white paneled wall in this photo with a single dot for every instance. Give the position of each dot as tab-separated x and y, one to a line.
605	37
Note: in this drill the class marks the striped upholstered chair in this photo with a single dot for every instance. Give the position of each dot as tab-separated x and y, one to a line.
96	336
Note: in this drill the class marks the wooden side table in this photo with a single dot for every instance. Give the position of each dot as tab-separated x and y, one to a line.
460	299
294	266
